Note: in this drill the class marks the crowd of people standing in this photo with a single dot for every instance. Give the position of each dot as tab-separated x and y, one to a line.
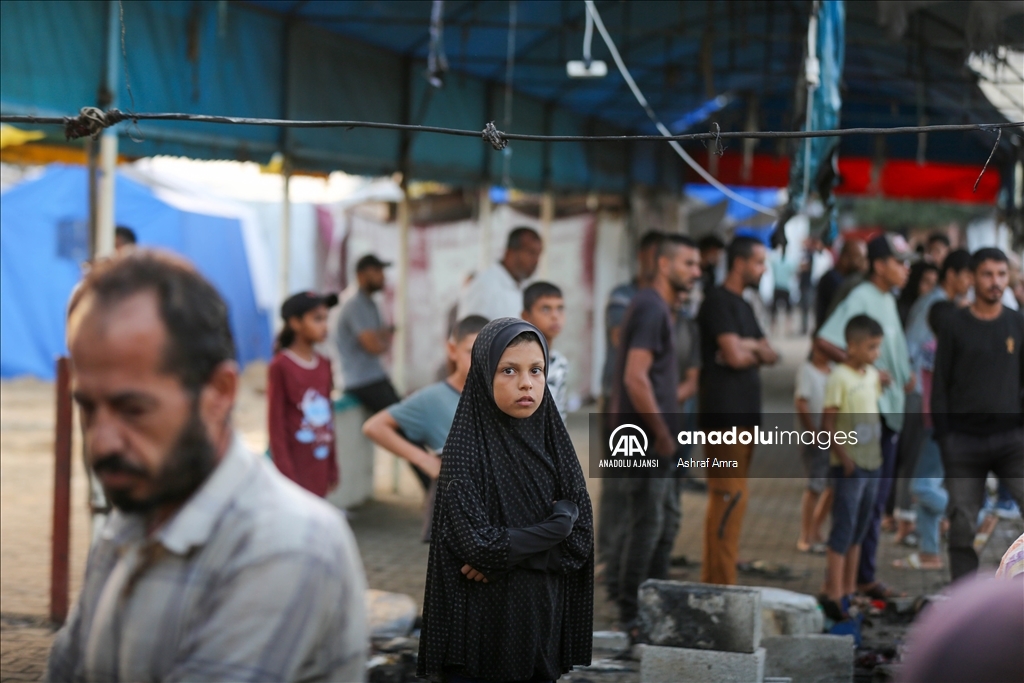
177	582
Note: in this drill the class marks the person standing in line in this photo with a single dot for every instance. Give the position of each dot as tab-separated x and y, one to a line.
688	362
804	277
782	272
888	255
613	497
300	418
922	281
645	393
497	291
977	404
734	348
937	249
816	502
851	407
213	566
544	308
711	248
362	338
916	438
425	417
510	580
853	261
124	239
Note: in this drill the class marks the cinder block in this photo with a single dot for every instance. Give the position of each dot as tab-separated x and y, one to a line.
610	641
785	613
675	664
700	616
815	658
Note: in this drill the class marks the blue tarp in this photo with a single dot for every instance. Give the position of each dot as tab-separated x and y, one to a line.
736	212
366	59
43	242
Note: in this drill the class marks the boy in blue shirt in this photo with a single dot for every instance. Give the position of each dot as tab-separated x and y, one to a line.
416	428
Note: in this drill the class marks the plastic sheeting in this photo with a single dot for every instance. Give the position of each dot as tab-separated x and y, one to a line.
44	240
736	212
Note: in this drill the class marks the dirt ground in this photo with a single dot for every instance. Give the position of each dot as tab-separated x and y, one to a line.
387	528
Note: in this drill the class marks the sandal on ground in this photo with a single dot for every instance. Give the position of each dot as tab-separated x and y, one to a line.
913	561
879	591
911	540
812	548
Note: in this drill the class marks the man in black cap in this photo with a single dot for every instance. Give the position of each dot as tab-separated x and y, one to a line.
362	339
888	256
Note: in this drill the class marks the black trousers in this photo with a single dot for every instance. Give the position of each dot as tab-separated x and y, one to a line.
377	396
648	531
967	460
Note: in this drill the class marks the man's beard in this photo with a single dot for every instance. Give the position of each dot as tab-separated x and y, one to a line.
190	461
680	284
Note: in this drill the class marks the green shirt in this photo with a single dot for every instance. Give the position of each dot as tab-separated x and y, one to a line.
855	395
868	299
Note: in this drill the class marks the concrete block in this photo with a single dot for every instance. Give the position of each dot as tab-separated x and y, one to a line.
675	664
785	613
610	641
700	616
815	658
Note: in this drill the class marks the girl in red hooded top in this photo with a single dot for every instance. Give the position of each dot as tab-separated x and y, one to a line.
299	383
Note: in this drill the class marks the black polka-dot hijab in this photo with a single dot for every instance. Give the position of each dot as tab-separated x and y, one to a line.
497	473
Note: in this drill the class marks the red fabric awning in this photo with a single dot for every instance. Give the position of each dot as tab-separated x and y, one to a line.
896	179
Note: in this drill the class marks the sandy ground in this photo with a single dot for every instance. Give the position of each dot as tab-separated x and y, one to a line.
387	528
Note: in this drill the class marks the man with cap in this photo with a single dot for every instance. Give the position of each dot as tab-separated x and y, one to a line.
497	292
888	256
362	338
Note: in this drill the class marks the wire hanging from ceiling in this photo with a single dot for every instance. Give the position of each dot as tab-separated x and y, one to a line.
690	161
510	68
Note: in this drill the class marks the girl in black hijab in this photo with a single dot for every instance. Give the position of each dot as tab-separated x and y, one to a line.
510	581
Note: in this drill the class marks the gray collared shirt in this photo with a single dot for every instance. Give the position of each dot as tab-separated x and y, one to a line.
253	579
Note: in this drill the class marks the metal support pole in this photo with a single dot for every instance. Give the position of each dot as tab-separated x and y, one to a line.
547	216
813	69
485	227
401	321
92	153
60	545
104	245
286	230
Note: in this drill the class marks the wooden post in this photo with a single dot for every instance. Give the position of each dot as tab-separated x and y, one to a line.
59	556
547	216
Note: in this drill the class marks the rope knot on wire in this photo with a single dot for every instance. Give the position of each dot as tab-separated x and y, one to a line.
92	121
494	136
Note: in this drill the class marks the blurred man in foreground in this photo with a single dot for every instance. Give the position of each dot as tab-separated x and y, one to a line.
213	566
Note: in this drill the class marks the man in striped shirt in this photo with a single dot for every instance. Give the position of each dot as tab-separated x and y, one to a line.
213	566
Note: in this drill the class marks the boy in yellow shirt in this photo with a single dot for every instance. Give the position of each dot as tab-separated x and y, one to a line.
851	416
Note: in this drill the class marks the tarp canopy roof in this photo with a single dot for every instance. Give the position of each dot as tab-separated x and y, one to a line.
365	59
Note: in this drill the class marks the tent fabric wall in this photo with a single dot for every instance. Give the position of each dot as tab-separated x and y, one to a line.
44	240
184	57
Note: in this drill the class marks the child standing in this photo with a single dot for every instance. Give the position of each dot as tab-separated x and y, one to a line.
817	498
299	383
544	307
425	417
851	407
510	579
